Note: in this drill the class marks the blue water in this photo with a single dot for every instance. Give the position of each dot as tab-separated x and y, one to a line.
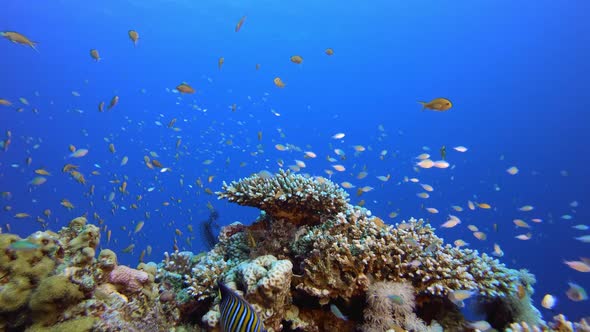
517	73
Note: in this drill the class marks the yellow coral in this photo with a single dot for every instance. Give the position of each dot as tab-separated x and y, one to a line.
53	295
14	294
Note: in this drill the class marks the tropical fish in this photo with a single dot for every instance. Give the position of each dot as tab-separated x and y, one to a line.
23	245
94	54
576	293
278	82
134	36
296	59
240	23
185	88
236	313
443	152
18	38
329	51
113	102
438	105
548	301
79	153
334	309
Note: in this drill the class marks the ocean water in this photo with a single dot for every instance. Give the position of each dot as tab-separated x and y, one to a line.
517	73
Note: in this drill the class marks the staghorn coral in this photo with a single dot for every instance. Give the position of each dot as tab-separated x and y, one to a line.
299	199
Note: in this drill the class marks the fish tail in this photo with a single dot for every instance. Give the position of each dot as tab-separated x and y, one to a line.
32	44
423	105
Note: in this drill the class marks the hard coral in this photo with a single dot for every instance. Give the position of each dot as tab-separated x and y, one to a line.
299	199
129	280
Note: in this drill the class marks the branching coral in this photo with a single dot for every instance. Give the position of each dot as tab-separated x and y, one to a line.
300	199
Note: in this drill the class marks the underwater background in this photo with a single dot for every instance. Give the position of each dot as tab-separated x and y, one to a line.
517	74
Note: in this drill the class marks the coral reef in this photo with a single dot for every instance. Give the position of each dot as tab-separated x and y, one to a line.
339	251
310	262
52	282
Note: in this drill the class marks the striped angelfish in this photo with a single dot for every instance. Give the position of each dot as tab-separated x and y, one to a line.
237	315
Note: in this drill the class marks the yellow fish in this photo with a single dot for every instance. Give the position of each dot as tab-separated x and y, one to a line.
134	36
438	105
17	38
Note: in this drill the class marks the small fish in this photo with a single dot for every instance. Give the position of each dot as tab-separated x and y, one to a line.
236	313
452	222
240	23
438	105
134	36
460	148
22	215
396	299
581	227
79	153
296	59
579	266
549	301
526	208
94	54
101	106
443	152
576	293
334	309
329	51
18	38
512	170
23	245
113	102
220	63
278	82
185	88
497	250
338	136
585	238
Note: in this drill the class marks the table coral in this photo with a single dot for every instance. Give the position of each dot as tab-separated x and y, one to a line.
300	199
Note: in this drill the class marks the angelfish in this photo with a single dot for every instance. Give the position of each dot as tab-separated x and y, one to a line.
236	313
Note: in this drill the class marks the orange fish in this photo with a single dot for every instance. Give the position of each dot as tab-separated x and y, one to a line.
438	105
114	102
278	82
134	36
18	38
296	59
240	23
185	88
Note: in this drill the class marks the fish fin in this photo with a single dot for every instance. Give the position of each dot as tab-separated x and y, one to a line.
423	105
33	44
